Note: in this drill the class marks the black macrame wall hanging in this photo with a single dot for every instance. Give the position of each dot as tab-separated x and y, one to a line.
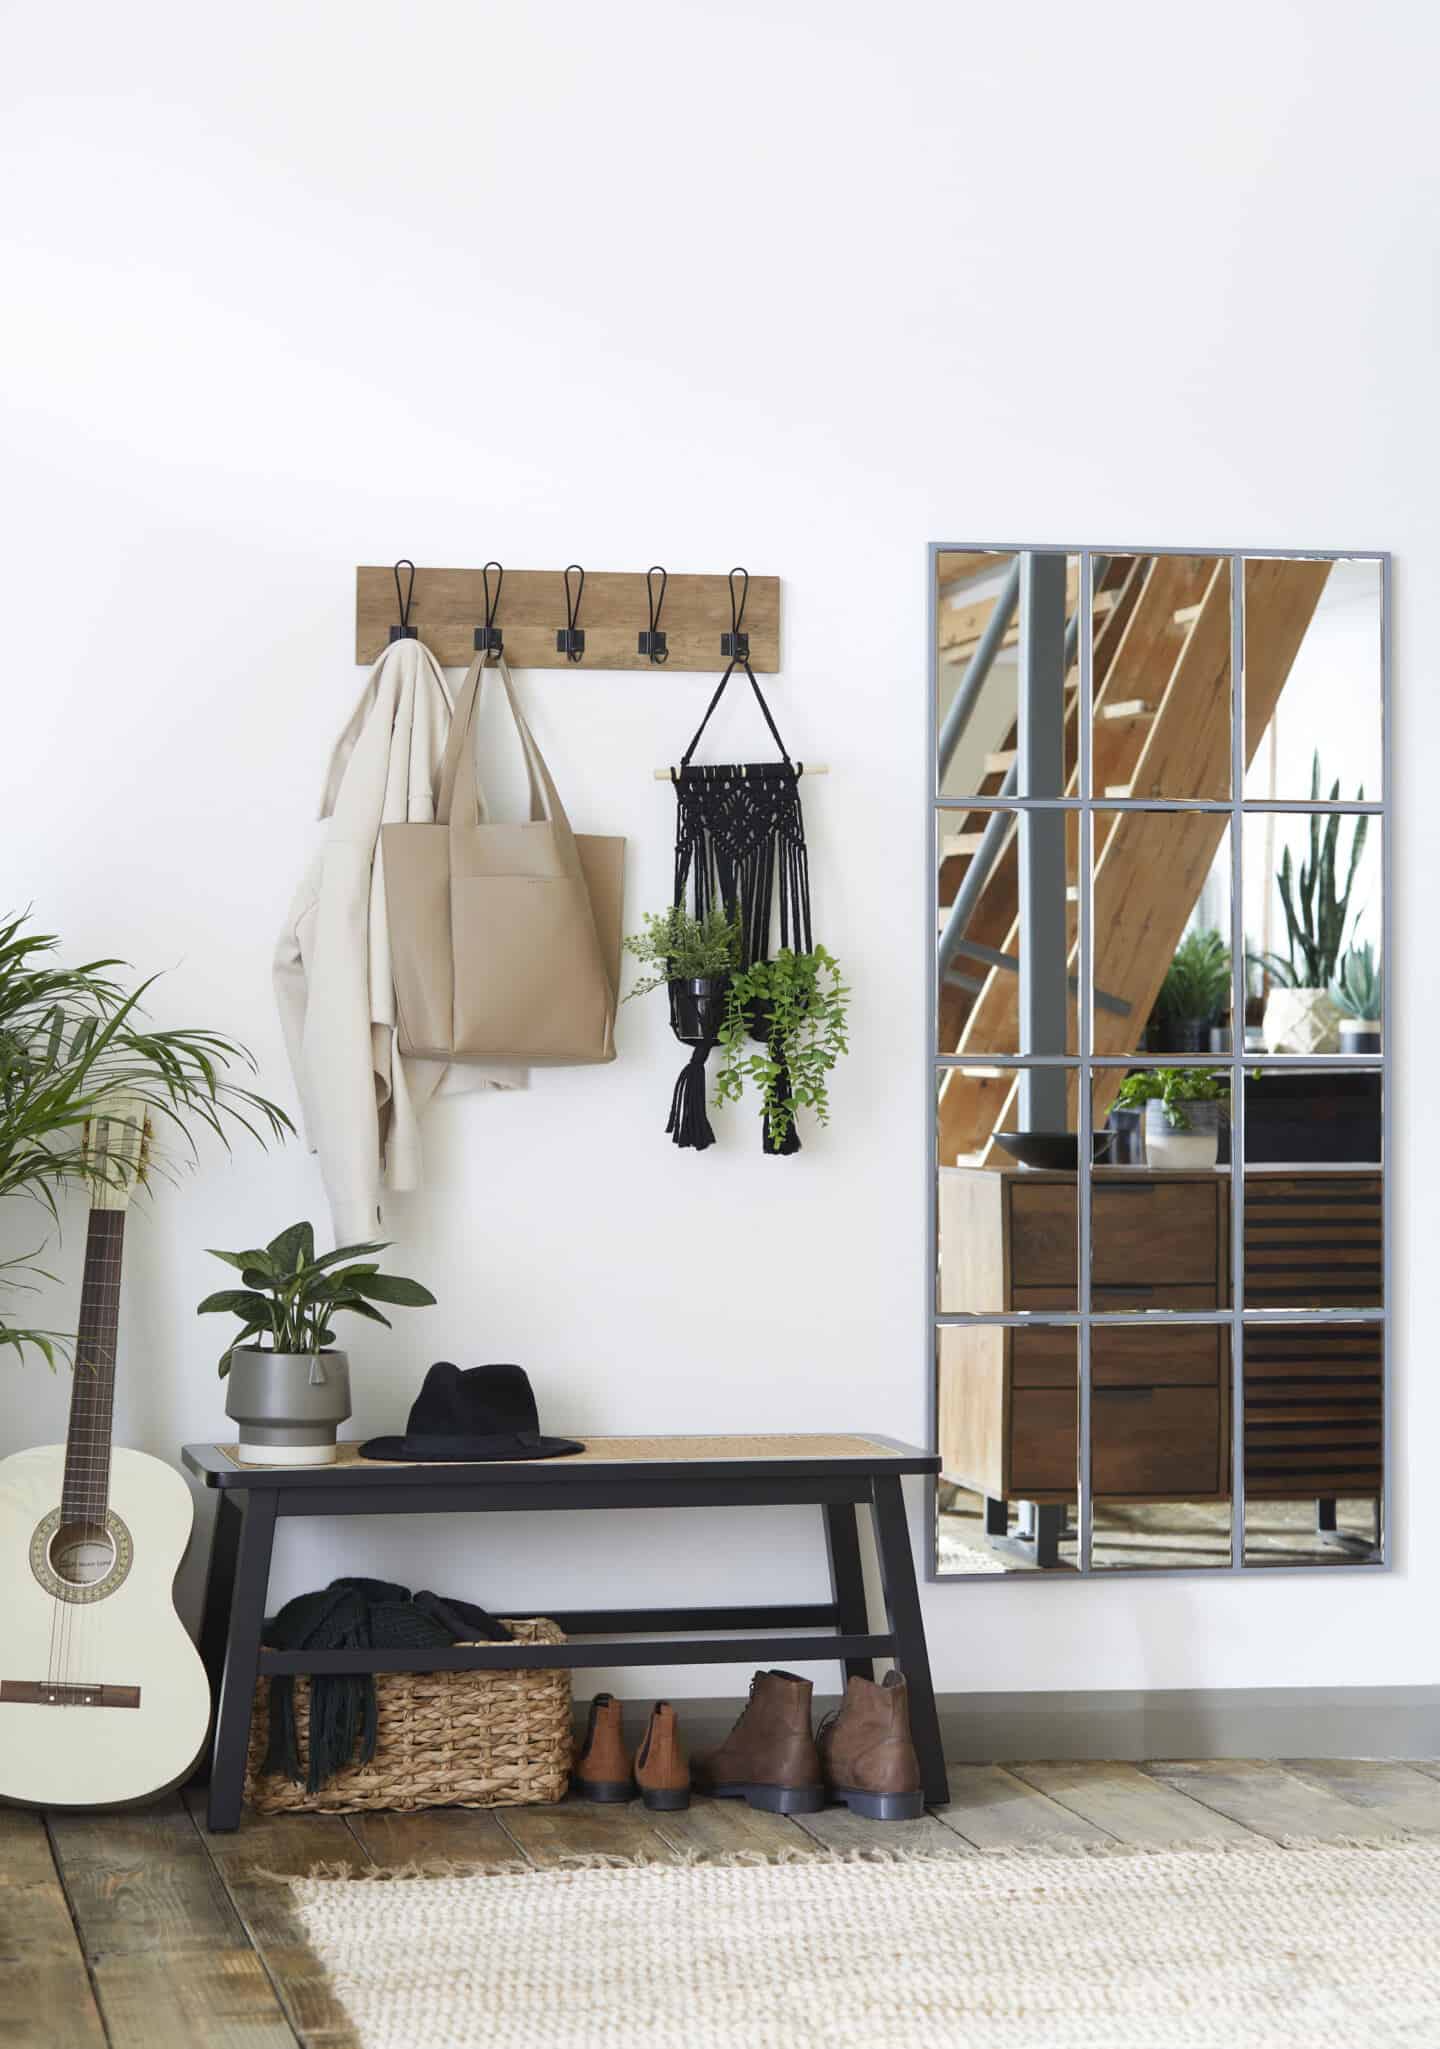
740	844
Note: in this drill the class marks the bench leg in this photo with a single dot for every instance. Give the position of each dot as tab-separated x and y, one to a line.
847	1580
907	1626
215	1615
242	1659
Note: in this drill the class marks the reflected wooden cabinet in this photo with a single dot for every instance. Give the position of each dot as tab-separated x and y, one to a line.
1160	1417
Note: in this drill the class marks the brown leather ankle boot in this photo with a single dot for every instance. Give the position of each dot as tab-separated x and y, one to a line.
661	1770
602	1770
868	1758
769	1758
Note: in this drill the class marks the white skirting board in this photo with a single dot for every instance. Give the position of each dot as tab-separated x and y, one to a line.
1252	1722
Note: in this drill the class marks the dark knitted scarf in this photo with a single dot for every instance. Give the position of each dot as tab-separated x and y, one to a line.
354	1614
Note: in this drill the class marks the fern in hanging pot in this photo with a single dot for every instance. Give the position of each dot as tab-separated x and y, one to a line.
693	959
798	1006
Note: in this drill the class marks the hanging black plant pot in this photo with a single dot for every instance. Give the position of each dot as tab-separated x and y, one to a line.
697	1009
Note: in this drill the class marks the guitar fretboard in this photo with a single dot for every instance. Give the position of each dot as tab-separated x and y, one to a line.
86	1491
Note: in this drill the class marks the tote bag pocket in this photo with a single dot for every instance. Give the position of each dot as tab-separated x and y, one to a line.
499	952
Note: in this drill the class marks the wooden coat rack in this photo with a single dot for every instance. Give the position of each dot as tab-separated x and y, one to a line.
446	606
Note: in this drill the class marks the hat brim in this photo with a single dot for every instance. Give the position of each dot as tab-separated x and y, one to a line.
508	1447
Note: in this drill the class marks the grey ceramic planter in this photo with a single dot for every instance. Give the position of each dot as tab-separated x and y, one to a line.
288	1405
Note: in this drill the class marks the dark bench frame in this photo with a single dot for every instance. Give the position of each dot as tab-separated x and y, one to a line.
253	1497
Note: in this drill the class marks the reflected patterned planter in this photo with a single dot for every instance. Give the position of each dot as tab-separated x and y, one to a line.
1301	1021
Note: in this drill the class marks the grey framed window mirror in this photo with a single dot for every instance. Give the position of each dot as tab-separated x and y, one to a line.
1158	1098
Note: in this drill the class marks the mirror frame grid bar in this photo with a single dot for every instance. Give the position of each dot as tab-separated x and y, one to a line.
1145	1319
1238	988
1387	924
1006	801
1327	1063
1084	1108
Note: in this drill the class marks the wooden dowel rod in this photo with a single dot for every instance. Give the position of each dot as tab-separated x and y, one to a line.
666	775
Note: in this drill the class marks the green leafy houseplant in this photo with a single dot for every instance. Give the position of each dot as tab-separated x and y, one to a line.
290	1297
678	947
69	1039
1356	989
1174	1087
1315	909
1197	981
801	1002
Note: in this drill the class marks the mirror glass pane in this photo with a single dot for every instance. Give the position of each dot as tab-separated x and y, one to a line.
1314	1442
1007	1407
1162	677
1161	932
1006	905
1007	673
1314	921
1313	675
1006	1232
1160	1446
1315	1239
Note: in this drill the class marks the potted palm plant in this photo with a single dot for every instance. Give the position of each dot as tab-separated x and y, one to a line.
290	1391
1300	1014
1355	992
72	1038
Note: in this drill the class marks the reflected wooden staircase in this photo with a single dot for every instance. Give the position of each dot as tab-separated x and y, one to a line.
1161	670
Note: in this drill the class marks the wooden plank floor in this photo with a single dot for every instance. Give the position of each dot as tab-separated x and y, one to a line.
140	1929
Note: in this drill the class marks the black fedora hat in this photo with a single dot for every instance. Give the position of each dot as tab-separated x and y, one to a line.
487	1412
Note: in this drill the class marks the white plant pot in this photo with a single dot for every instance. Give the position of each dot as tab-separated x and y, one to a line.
1194	1150
1301	1021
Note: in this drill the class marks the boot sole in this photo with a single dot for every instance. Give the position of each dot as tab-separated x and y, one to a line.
602	1789
773	1799
668	1800
881	1806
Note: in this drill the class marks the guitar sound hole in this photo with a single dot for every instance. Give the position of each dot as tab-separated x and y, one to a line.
81	1553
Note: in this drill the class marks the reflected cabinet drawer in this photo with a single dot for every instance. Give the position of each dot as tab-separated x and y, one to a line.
1157	1417
1150	1237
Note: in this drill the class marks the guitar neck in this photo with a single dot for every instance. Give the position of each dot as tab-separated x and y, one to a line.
86	1493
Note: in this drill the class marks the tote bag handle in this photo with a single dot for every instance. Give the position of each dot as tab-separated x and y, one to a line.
459	801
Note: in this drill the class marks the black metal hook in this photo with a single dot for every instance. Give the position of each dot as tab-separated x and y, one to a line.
736	644
571	641
488	638
653	642
404	631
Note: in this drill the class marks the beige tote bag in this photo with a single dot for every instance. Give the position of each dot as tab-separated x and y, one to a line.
505	939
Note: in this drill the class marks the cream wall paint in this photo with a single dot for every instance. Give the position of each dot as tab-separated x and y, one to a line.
291	288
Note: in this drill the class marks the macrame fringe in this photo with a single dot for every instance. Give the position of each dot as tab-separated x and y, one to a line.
689	1126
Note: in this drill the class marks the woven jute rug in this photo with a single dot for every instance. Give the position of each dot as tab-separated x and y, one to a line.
1251	1948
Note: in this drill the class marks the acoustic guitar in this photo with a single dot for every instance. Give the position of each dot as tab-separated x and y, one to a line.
103	1698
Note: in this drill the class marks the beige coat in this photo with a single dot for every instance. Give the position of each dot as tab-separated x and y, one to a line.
360	1101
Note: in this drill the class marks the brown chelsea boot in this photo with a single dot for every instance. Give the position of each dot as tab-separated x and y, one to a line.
661	1770
769	1758
866	1752
602	1770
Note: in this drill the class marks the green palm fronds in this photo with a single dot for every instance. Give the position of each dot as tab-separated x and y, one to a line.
70	1038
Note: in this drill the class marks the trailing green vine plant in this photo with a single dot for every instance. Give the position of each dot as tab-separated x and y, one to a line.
801	1003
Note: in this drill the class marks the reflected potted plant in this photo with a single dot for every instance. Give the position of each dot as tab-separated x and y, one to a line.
1183	1111
290	1391
1301	1015
1355	992
1194	995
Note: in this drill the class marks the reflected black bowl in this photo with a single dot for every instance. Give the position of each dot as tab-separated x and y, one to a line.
1054	1149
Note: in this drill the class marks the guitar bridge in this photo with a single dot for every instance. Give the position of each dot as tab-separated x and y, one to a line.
54	1693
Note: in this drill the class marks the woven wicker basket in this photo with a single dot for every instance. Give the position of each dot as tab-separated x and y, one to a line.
445	1739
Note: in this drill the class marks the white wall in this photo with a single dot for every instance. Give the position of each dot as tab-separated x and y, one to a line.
287	289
